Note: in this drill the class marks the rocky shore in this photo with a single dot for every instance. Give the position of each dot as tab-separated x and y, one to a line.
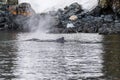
73	19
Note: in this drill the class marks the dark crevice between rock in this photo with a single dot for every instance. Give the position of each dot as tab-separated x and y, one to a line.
103	20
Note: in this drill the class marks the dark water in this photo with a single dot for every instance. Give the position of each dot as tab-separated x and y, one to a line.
98	59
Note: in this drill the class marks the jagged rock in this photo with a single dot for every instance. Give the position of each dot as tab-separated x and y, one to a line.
103	3
25	9
2	19
104	29
108	18
117	28
117	25
96	11
116	21
73	9
98	20
73	18
110	6
70	20
70	25
75	6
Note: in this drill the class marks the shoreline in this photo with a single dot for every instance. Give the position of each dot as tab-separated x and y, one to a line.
72	19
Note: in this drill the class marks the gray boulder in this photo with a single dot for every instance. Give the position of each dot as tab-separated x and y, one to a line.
108	18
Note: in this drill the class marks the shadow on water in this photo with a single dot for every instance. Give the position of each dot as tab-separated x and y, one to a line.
7	56
111	57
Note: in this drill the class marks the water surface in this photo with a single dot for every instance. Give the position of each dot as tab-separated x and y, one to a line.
95	57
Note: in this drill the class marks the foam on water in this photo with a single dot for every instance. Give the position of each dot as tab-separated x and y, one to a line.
47	5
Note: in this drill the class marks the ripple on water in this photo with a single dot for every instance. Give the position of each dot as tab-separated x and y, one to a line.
29	60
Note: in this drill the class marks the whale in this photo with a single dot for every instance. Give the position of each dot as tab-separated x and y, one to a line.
59	40
62	40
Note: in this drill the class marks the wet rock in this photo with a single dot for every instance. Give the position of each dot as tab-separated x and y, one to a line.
2	19
116	21
115	4
96	11
116	28
108	18
103	29
106	29
73	18
25	9
74	8
70	20
110	6
70	25
98	20
103	3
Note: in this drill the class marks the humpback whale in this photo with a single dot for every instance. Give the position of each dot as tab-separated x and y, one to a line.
62	40
59	40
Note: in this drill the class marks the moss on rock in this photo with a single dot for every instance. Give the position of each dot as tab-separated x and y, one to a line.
113	5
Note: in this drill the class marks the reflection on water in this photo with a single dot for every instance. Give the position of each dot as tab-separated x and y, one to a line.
112	57
30	60
7	56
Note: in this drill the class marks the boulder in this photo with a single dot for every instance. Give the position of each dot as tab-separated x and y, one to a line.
73	18
73	9
25	9
70	25
110	6
103	3
108	18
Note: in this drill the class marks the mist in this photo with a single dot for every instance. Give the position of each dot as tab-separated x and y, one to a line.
43	24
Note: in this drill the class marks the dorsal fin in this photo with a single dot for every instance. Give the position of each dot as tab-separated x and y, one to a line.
60	40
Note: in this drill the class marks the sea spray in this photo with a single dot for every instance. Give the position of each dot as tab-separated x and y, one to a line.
36	23
43	23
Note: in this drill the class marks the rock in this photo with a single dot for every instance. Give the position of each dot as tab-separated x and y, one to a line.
2	19
116	28
73	9
116	21
73	18
102	16
110	6
70	20
98	19
103	3
70	25
25	9
108	18
117	25
96	11
88	18
115	4
105	29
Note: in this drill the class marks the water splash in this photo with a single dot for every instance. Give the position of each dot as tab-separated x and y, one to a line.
40	23
44	23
